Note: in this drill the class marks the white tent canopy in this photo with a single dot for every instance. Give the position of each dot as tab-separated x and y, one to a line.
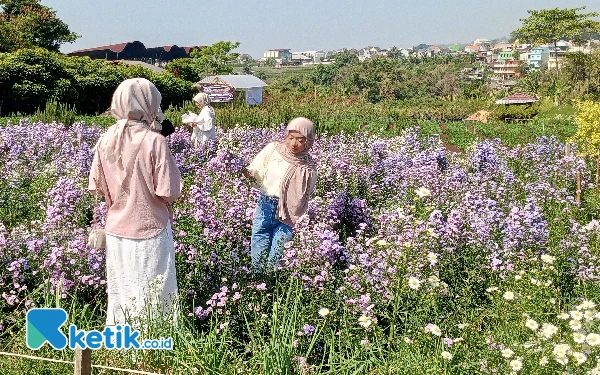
241	81
251	85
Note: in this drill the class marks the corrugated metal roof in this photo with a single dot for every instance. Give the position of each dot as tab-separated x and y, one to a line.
517	98
241	81
117	48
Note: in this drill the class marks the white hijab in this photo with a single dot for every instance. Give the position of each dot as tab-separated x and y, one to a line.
135	101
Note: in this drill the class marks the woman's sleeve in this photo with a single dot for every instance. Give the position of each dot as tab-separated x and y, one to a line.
313	182
206	120
257	166
94	181
166	175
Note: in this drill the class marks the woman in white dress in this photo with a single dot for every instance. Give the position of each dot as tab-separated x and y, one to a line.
134	170
204	128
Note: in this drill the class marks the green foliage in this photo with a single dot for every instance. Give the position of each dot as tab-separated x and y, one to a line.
548	26
183	68
215	59
31	77
56	112
344	58
551	25
27	24
510	112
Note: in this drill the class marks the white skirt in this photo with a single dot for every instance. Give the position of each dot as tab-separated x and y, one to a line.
140	276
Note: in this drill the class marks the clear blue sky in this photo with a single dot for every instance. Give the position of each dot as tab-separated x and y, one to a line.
302	25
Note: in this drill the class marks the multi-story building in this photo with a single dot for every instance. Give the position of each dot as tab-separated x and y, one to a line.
538	57
506	69
505	55
281	55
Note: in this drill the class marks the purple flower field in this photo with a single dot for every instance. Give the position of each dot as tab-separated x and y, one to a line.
400	235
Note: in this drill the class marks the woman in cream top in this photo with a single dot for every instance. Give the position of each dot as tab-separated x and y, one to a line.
204	128
286	176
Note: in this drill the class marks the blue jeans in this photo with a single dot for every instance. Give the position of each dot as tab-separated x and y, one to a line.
268	234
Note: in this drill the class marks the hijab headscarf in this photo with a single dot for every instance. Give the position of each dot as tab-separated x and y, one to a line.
297	180
136	101
202	98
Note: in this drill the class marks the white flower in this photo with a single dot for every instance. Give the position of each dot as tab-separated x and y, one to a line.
563	316
408	340
516	365
531	324
414	283
518	277
587	304
423	192
491	289
561	350
432	257
508	295
562	360
433	280
579	357
507	353
549	330
351	267
543	361
577	315
578	337
381	242
446	355
593	339
365	321
548	258
463	325
589	315
575	325
324	311
435	330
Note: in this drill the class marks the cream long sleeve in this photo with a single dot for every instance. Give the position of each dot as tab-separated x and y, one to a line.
205	128
268	168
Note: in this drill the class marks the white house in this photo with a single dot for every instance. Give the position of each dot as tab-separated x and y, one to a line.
281	55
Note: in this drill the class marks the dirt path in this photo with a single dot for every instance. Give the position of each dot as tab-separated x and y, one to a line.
443	136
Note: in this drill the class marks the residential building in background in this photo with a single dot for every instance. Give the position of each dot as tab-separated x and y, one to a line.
282	56
538	57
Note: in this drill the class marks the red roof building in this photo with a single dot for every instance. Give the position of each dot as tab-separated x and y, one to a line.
135	51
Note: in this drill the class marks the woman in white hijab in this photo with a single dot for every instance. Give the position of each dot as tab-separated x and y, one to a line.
204	128
134	170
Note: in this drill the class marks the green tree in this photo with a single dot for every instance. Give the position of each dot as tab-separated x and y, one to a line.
183	68
344	58
270	61
548	26
27	24
215	59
